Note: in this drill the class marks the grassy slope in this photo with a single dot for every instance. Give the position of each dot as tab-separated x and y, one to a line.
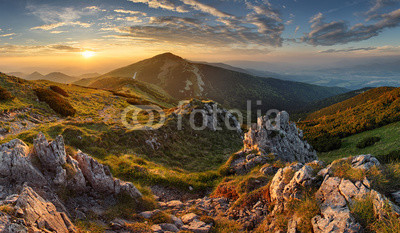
389	135
185	158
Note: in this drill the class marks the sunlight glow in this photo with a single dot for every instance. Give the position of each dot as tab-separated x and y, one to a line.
88	54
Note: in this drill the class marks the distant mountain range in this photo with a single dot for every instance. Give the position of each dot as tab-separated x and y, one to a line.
230	86
54	76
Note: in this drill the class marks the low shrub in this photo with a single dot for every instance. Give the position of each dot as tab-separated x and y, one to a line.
161	217
59	90
326	143
5	95
138	228
366	142
137	101
56	102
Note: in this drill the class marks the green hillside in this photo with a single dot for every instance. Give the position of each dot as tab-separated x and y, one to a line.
389	135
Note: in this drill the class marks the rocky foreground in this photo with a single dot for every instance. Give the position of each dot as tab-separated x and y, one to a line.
45	189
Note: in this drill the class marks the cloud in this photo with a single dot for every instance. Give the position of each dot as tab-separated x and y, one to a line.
348	50
162	4
8	35
206	8
55	17
340	32
381	4
33	50
66	48
57	32
131	12
261	28
48	27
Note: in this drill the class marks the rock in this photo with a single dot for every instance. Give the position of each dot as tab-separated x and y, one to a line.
215	117
100	179
283	140
51	155
268	170
364	162
16	166
381	204
335	214
174	204
157	229
197	226
279	182
350	190
168	227
302	178
76	180
177	221
188	218
396	196
41	213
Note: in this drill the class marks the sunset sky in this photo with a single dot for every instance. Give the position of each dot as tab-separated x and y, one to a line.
78	36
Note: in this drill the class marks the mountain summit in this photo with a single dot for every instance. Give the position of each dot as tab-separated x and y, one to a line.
183	79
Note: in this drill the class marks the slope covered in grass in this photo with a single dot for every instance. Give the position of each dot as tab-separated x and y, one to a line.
389	135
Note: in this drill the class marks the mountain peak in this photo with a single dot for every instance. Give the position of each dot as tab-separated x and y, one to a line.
168	55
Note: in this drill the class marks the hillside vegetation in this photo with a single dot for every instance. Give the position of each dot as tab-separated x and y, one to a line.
389	141
372	109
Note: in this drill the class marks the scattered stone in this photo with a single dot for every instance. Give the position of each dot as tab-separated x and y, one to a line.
364	162
188	218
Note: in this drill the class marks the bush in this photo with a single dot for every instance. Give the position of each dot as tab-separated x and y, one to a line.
5	95
138	228
59	90
137	101
369	141
393	156
56	102
326	143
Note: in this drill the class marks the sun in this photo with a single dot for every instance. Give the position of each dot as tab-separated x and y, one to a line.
88	54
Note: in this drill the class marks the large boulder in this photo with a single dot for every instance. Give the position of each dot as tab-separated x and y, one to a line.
282	139
16	166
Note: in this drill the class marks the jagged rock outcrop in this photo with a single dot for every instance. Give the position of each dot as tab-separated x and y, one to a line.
16	166
100	178
266	142
47	171
283	139
52	155
29	212
41	214
214	117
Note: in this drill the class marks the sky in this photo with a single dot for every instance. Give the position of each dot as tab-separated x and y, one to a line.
80	36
